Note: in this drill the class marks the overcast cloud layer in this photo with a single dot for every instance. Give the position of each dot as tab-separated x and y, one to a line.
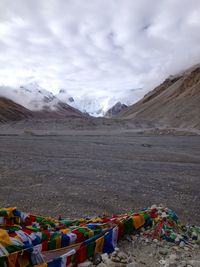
100	47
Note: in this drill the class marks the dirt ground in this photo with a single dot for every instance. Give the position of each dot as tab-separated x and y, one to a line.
85	173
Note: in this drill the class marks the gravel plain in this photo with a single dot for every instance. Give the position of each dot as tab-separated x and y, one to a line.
89	172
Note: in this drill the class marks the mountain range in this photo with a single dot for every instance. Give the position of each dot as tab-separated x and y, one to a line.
36	98
174	103
32	101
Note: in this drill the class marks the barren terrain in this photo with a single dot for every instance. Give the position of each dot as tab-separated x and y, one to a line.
78	173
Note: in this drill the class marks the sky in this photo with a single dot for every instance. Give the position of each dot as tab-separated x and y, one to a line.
97	47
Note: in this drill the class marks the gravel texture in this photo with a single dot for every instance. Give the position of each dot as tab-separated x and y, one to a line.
84	173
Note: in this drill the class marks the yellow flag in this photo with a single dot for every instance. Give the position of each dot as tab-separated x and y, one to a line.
4	238
99	245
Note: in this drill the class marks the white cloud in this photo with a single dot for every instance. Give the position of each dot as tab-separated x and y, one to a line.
97	47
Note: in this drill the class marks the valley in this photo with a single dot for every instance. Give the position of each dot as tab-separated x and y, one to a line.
83	173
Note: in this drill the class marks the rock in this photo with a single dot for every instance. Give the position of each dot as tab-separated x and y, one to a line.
122	255
128	238
114	254
102	265
176	248
172	265
182	244
116	259
147	240
105	257
173	257
163	251
97	259
106	260
132	264
163	262
164	215
194	263
183	264
86	264
196	246
113	264
124	261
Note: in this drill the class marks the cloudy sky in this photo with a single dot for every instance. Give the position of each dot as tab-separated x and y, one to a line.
99	47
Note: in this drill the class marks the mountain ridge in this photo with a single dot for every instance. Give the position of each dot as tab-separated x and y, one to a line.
38	101
11	111
174	103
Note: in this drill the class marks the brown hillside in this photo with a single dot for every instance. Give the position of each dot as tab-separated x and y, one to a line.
61	110
174	103
11	111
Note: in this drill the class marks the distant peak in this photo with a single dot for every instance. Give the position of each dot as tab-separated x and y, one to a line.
62	91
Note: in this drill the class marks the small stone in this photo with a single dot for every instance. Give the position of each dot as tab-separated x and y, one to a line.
164	215
183	264
132	264
173	257
101	264
86	264
176	248
124	261
108	262
116	259
114	254
182	244
142	262
163	262
194	263
128	238
122	255
104	257
163	252
97	259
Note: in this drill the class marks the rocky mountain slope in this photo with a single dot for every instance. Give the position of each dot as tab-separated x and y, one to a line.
174	103
9	110
61	110
116	109
31	96
40	102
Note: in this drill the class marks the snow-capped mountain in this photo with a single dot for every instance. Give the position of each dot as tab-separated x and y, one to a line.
116	109
97	106
36	98
64	96
85	104
31	96
40	102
